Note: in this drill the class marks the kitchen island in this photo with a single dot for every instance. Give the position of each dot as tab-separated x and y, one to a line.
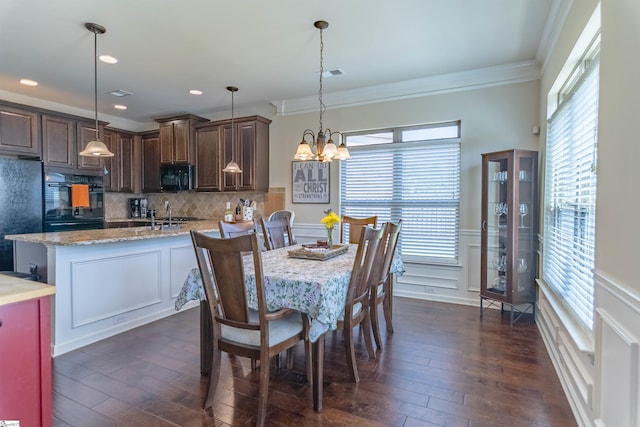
111	280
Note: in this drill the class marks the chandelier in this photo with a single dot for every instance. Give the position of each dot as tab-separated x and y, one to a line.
321	147
95	148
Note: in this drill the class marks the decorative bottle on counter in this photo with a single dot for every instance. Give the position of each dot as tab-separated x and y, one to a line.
228	215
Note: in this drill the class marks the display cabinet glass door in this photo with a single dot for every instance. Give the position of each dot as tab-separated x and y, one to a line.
509	228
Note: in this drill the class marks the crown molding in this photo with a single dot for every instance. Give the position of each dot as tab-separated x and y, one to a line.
427	86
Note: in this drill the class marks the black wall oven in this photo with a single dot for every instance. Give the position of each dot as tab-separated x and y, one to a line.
73	202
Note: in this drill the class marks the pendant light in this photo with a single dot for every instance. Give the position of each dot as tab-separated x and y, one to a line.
324	147
232	166
95	148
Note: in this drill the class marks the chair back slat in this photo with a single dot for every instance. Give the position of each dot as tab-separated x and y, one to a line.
225	258
363	265
235	229
277	232
386	250
353	226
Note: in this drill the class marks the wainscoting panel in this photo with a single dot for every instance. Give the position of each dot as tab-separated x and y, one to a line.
181	260
90	302
617	330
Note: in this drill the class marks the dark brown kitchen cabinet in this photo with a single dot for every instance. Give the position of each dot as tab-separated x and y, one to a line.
19	131
208	170
120	171
62	140
509	233
247	145
86	132
110	164
177	138
58	141
151	162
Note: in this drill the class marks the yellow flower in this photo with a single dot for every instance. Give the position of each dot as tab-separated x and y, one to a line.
330	219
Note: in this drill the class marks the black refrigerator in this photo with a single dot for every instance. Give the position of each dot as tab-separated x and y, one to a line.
20	203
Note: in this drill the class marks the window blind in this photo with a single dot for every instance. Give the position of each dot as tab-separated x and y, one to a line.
418	182
570	196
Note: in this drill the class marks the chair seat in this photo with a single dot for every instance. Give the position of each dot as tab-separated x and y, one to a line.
279	330
357	308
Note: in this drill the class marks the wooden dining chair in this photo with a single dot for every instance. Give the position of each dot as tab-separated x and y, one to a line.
235	229
381	292
276	233
356	310
283	214
237	330
354	228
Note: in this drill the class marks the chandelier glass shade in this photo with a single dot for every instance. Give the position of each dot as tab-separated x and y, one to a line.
95	148
321	147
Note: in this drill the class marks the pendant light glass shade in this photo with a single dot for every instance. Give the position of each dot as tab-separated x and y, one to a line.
232	166
95	148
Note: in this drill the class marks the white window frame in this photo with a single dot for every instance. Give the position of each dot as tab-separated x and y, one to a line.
568	256
430	210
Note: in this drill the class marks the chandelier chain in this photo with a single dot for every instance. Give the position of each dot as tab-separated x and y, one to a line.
322	107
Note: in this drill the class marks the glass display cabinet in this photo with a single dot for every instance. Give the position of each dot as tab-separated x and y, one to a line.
509	233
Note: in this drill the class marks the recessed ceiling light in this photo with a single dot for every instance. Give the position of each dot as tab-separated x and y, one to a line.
120	107
195	92
28	82
107	59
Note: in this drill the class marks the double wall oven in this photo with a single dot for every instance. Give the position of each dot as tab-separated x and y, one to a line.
72	202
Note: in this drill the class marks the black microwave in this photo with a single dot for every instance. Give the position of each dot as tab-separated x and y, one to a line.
176	177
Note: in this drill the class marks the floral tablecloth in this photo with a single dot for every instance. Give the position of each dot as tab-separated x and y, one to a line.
317	288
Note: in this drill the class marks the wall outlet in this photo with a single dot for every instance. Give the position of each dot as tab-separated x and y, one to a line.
429	290
120	318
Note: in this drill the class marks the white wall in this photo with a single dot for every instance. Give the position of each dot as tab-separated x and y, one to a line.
493	118
600	370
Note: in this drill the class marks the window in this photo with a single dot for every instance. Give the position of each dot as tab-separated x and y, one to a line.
570	189
413	174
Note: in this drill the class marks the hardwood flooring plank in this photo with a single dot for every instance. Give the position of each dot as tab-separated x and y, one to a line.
442	366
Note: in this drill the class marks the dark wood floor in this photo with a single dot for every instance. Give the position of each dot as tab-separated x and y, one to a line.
443	366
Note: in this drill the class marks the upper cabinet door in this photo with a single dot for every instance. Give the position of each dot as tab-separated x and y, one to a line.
181	130
110	179
58	141
19	131
125	163
151	163
208	159
166	143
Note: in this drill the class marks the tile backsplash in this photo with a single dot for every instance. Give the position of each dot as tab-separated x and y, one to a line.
186	203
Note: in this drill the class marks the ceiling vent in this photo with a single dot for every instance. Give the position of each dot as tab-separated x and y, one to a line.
333	73
120	93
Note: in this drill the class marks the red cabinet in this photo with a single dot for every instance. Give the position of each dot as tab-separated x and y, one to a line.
25	362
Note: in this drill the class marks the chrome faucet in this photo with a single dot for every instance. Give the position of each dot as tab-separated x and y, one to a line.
167	207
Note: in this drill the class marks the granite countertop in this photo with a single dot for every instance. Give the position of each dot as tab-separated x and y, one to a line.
112	235
13	289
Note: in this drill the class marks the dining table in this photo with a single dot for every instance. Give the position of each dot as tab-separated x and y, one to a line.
315	287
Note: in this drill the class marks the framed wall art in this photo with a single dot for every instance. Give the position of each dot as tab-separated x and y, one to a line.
310	182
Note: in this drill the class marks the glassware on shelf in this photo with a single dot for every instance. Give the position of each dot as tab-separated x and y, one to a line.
524	210
522	265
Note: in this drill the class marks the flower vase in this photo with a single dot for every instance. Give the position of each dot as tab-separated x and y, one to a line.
330	237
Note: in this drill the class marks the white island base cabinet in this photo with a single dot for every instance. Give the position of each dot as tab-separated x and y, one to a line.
103	289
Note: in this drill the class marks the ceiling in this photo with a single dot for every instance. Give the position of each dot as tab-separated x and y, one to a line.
269	49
